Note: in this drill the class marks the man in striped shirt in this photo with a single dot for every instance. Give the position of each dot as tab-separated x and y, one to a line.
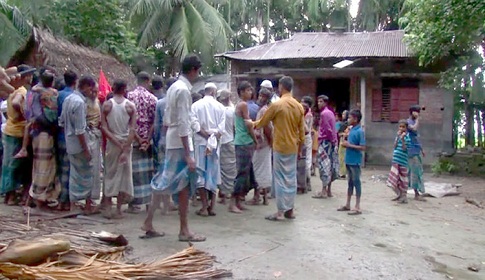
398	177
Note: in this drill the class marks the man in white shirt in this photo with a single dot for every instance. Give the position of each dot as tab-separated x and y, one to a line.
269	85
210	114
228	151
180	173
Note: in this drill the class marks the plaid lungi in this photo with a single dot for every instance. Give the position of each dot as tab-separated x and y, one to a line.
284	180
328	162
228	167
175	175
14	171
94	143
245	179
142	163
63	167
45	185
398	178
80	178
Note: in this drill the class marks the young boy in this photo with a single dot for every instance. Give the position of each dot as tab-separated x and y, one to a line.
355	144
398	177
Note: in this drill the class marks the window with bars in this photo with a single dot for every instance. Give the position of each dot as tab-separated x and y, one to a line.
392	102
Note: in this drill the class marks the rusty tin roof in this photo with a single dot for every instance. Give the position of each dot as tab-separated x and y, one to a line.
311	45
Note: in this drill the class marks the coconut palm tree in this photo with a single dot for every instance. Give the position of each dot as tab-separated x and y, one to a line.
375	15
182	26
15	30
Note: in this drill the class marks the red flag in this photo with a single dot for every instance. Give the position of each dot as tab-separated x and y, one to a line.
104	87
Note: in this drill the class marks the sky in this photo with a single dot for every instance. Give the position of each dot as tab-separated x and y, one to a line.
354	6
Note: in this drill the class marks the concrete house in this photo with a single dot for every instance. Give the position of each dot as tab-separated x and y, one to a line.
373	71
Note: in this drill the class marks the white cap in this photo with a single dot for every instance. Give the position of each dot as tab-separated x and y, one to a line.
210	85
267	84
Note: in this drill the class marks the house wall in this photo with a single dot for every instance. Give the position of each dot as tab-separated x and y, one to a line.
435	127
437	118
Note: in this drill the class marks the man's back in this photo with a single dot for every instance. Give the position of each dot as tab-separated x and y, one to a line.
145	104
177	113
287	120
228	135
73	119
210	114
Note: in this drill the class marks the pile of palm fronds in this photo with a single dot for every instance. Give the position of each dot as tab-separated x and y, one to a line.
91	258
188	264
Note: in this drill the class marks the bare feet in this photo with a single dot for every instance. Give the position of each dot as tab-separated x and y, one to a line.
222	201
241	207
234	209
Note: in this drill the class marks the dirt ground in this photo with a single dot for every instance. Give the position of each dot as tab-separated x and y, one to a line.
438	239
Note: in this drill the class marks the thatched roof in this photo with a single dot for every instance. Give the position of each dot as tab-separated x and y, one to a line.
44	49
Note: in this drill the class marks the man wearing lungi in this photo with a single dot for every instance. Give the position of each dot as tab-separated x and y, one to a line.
212	119
145	103
288	120
327	149
14	169
245	142
228	152
70	79
73	120
179	176
118	121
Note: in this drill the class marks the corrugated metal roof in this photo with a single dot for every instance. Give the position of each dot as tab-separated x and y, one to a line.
327	45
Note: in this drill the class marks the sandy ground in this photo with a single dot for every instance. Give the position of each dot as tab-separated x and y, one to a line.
438	239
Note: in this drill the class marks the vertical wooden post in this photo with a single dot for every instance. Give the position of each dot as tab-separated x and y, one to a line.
363	93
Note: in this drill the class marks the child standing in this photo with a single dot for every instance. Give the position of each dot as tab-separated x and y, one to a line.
398	177
355	144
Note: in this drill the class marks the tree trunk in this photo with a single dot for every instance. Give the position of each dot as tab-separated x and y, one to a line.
469	124
483	123
479	129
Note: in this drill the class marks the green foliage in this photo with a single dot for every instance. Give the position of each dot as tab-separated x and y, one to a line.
379	14
438	29
182	27
102	25
441	167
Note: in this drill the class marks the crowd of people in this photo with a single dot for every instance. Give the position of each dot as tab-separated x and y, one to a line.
160	145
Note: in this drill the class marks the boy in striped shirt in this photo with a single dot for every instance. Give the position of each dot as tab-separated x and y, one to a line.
398	177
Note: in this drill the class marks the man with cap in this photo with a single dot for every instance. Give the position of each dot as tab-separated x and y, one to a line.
211	116
327	149
228	151
267	84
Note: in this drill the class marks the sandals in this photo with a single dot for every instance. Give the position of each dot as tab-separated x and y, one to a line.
274	218
152	234
192	238
202	213
355	213
320	195
343	208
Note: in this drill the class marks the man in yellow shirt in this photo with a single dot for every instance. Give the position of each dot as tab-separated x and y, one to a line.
287	115
15	172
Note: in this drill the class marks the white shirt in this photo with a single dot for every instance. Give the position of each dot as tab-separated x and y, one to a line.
3	111
274	98
228	135
177	115
211	116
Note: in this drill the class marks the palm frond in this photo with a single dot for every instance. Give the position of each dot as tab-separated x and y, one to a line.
220	28
201	34
179	34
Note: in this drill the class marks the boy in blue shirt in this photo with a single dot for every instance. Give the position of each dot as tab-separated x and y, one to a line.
355	144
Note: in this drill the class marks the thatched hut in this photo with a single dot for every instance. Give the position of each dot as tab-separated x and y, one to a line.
43	49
